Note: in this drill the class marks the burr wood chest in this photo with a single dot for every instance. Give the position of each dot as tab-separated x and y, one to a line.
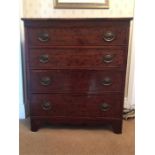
74	71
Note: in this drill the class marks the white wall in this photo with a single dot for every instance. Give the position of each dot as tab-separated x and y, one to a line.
129	101
9	76
21	102
44	8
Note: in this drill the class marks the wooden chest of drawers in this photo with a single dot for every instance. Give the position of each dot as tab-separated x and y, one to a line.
74	71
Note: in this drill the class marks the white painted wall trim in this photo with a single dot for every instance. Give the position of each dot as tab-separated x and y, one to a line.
128	103
129	100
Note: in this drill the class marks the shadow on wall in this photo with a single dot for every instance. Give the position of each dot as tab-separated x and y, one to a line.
21	100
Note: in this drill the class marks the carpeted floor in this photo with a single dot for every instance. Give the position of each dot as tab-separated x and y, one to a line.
76	141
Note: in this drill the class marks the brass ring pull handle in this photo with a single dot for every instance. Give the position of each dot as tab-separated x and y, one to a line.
43	37
107	81
108	58
46	106
105	107
43	58
45	81
109	36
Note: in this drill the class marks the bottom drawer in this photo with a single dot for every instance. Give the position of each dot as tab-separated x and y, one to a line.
105	105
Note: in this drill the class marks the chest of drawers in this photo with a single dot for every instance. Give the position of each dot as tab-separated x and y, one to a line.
74	71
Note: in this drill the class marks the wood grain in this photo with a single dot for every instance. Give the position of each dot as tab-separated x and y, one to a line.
66	79
71	58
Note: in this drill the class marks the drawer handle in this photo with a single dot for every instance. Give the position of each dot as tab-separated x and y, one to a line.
107	81
43	58
109	36
105	107
43	37
45	81
46	106
108	58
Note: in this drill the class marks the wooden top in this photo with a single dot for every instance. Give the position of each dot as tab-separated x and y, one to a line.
48	19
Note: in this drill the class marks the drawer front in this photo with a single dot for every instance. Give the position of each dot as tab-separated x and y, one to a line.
76	105
75	81
69	58
98	35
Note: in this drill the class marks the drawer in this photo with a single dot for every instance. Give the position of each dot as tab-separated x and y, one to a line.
75	81
106	105
105	33
84	58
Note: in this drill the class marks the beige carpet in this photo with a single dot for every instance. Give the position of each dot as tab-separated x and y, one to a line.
76	141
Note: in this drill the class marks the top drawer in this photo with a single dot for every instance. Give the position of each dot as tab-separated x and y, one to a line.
72	33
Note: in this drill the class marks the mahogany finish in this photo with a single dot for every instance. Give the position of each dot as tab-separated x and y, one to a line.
77	35
68	105
74	71
75	81
71	58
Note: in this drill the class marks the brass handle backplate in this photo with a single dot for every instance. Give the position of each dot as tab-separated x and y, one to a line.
107	81
108	58
43	37
45	81
43	58
105	107
109	36
46	106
